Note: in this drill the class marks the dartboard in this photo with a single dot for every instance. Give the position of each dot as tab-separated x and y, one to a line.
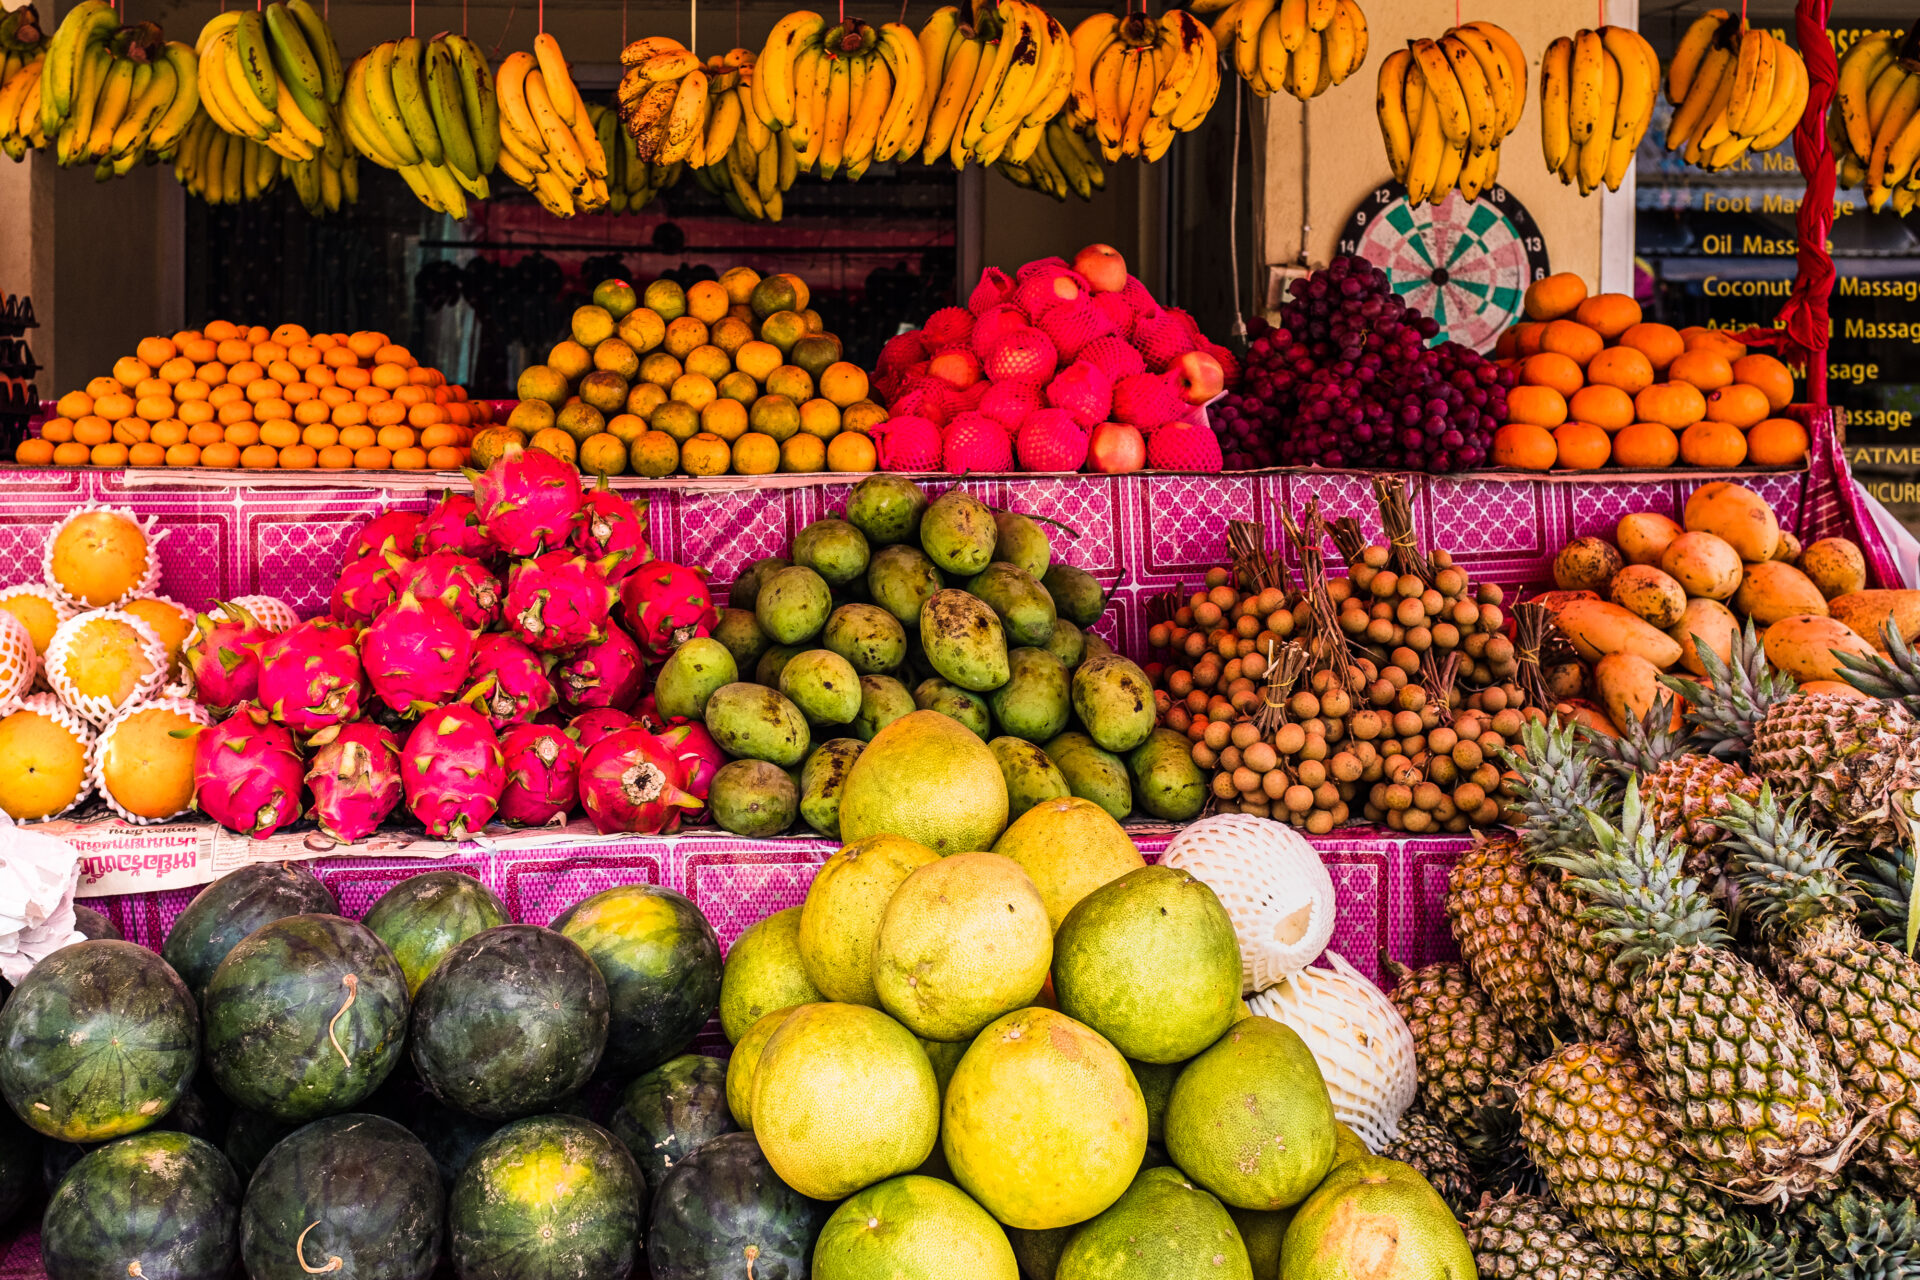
1466	264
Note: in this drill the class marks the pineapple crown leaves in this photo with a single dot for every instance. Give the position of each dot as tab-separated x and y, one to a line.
1735	694
1753	1248
1871	1239
1788	868
1895	677
1646	744
1557	784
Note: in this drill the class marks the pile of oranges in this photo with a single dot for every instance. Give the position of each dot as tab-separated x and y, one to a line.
1599	386
232	396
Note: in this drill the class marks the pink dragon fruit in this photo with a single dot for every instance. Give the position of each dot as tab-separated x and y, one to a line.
246	773
610	525
355	779
543	775
1146	400
452	771
995	287
701	756
310	676
560	601
521	688
907	442
631	781
1009	403
1025	355
393	532
367	586
223	657
1083	391
666	605
610	672
463	583
589	727
454	525
528	500
417	654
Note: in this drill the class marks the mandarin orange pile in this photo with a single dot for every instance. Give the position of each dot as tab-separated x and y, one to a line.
230	395
1600	386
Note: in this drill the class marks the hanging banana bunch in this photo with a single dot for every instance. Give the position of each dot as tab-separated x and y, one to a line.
221	167
1735	90
427	110
845	96
21	51
1064	162
1303	46
1872	123
665	99
104	95
547	139
20	130
632	183
749	166
327	181
1596	99
1446	105
995	83
272	76
1139	82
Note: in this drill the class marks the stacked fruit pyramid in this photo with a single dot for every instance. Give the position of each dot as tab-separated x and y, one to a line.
230	395
1599	386
1058	367
735	375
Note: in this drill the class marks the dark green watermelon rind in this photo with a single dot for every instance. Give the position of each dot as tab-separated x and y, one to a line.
585	1224
99	1041
664	982
423	916
278	1004
166	1201
723	1201
357	1187
234	906
671	1112
250	1135
513	1020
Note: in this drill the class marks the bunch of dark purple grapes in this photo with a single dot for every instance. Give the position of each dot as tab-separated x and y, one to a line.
1348	380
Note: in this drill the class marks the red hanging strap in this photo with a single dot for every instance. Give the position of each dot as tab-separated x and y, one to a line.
1805	318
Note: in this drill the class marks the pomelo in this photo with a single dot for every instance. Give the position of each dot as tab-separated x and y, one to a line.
1262	1231
945	1055
763	972
1164	1226
840	920
843	1097
1044	1124
930	779
1150	961
964	940
1250	1119
1070	847
913	1228
745	1060
1375	1219
1156	1086
1347	1144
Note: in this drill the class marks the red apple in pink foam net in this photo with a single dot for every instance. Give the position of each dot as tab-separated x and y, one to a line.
1116	449
1103	267
1199	377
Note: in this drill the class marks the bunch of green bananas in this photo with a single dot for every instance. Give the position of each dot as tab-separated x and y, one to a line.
222	167
426	109
1063	162
547	140
272	76
1874	124
1735	90
109	95
749	166
632	183
20	130
327	181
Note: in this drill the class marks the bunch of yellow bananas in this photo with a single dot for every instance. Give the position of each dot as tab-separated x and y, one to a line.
327	181
1874	123
846	96
1735	89
20	41
1596	100
668	97
1139	82
20	111
426	110
104	95
272	76
749	166
222	167
993	85
1063	162
547	140
632	183
1303	46
1446	105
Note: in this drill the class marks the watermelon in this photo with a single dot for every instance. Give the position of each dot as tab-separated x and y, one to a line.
19	1166
513	1020
305	1017
662	963
423	915
250	1135
451	1137
189	1115
547	1198
723	1213
93	924
671	1112
99	1040
234	906
159	1206
355	1187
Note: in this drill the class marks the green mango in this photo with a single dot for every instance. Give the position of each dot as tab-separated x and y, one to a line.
833	549
958	533
690	675
761	723
821	780
1077	594
901	579
1037	699
823	685
740	631
1165	778
1067	643
1023	542
887	509
1031	777
883	700
793	605
1114	700
746	588
949	699
753	798
964	640
1023	605
772	663
1092	773
867	636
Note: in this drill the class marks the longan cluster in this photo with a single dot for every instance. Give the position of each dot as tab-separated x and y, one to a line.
1381	611
1449	777
1221	636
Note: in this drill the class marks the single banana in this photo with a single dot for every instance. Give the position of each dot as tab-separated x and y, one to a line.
293	58
254	54
1390	106
1484	113
1294	31
116	95
477	100
1703	86
1752	81
686	117
561	146
1584	79
1444	93
1713	128
1690	55
1792	105
774	74
445	100
325	48
1429	152
410	94
558	80
1639	81
962	62
1596	150
1341	40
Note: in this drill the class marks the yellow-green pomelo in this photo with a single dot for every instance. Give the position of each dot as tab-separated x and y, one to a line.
843	1097
1043	1123
929	778
1164	1226
840	919
1070	847
763	973
1151	963
745	1060
1156	1086
1347	1144
1262	1232
1375	1219
913	1228
964	940
1250	1119
945	1055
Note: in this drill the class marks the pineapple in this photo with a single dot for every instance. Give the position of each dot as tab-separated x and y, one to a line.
1755	1100
1860	999
1429	1149
1527	1238
1859	1235
1884	878
1753	1248
1464	1055
1495	912
1595	1128
1683	792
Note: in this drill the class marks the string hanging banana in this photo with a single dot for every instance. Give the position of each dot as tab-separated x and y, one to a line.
1736	91
1597	91
1446	105
272	76
1302	46
224	168
1139	82
848	95
1873	124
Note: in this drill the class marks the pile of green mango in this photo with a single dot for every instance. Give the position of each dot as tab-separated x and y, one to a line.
905	604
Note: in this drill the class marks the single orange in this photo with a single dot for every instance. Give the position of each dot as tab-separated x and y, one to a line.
206	433
335	457
156	351
1551	297
1772	377
1524	446
110	454
1661	344
1507	344
298	457
1704	368
1677	404
146	455
34	452
1573	339
1551	369
1713	444
222	455
1582	446
259	457
1540	406
1739	404
1777	442
1696	337
183	455
71	453
1528	343
1646	446
1608	408
1624	367
365	343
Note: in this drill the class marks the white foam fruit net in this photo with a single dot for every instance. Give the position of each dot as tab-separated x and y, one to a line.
270	612
1273	885
1361	1042
105	768
73	634
18	662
